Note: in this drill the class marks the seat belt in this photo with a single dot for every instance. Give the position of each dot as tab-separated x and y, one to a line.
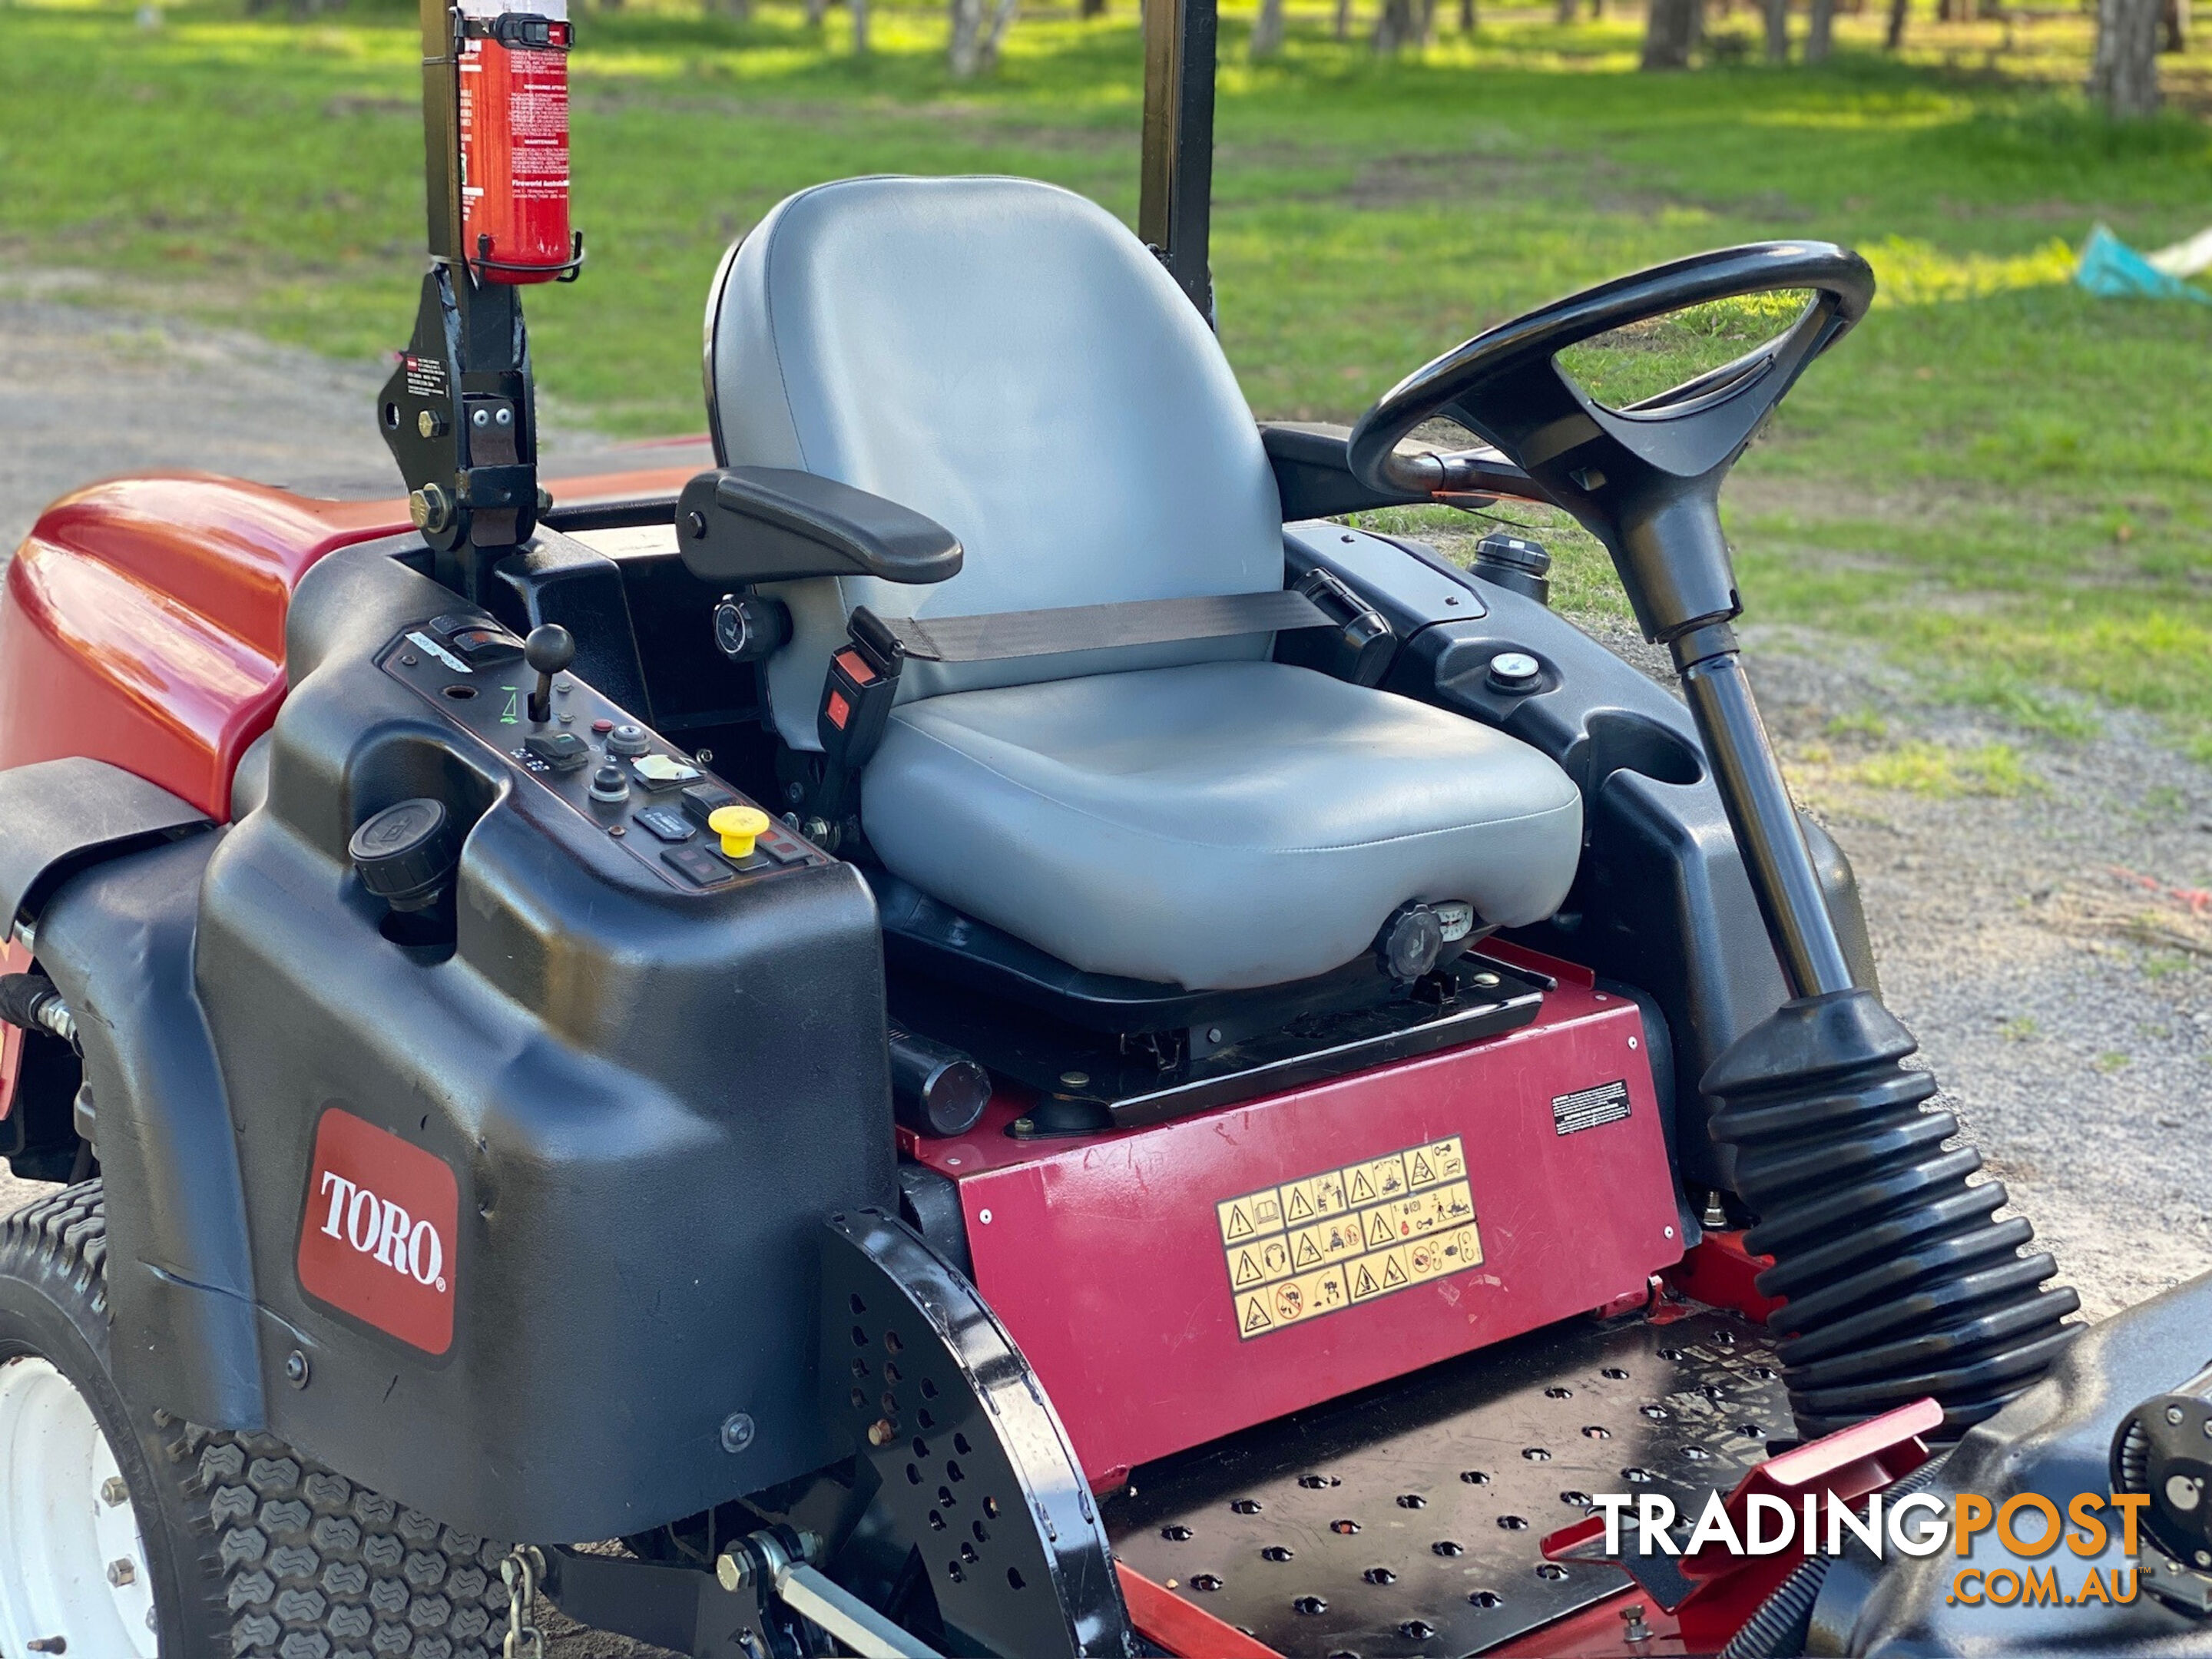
1006	634
862	683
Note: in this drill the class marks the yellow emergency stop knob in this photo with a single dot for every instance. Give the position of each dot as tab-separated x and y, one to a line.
737	826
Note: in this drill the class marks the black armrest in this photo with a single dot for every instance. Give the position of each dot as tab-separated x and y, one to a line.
767	524
1314	476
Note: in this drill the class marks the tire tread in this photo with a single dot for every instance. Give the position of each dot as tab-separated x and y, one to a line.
295	1561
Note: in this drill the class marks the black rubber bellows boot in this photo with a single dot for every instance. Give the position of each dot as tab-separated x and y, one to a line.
1898	1285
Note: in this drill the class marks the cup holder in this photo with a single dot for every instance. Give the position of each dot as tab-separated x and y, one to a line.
1621	742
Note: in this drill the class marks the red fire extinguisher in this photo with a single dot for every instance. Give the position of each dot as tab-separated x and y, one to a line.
514	141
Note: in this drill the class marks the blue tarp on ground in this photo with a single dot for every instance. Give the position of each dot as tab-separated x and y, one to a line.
2113	270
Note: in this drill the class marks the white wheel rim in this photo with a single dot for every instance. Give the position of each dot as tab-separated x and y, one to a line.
72	1563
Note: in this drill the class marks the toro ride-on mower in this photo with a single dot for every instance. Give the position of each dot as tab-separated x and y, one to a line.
977	1029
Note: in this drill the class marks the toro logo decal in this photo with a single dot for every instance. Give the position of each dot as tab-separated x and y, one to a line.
377	1240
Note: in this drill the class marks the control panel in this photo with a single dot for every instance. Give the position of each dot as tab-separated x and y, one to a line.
628	783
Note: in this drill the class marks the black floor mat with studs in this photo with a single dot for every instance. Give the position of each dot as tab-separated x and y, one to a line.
1405	1519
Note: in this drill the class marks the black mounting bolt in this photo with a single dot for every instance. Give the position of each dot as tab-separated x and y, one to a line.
695	525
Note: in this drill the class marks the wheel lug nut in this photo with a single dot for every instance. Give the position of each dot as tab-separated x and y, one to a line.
122	1572
114	1492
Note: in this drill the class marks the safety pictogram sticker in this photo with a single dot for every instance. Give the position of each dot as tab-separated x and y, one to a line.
1335	1240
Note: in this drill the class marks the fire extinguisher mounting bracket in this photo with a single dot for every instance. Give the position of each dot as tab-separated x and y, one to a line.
459	411
484	265
519	31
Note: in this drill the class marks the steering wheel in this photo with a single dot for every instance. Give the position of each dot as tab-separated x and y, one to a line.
1646	480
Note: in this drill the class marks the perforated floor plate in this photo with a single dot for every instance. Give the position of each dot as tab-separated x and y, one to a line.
1405	1519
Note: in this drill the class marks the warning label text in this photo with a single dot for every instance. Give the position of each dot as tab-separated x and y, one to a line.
1335	1240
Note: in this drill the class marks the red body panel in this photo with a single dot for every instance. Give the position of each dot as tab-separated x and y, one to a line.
1105	1256
143	619
144	624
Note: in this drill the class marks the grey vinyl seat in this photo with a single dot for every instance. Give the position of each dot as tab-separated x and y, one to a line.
1007	358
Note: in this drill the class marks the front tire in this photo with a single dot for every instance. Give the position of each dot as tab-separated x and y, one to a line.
105	1541
151	1538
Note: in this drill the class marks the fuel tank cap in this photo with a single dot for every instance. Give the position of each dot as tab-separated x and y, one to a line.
406	853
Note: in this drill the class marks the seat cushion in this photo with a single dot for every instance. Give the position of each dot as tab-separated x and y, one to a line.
1215	825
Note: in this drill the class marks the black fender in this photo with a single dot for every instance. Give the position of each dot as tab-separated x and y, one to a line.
58	816
118	940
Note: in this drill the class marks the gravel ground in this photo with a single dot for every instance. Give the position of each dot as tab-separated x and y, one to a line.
87	394
2046	932
2041	923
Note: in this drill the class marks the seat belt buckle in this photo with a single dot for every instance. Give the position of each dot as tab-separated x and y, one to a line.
857	695
1359	644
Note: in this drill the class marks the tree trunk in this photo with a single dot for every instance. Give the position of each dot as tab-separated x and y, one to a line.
1820	35
1398	26
860	9
1428	23
1267	32
2124	78
1894	39
967	30
816	9
2174	26
1094	8
739	11
1778	31
1467	18
1671	28
1564	13
1002	19
1344	20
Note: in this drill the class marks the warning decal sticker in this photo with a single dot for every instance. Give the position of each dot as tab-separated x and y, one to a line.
1334	1240
1587	1108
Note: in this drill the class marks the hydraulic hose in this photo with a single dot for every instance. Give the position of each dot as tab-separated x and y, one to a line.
1897	1283
31	1001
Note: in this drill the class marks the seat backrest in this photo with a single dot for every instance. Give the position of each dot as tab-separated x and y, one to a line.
1005	357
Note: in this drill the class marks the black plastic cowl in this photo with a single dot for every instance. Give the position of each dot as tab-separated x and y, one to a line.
1897	1284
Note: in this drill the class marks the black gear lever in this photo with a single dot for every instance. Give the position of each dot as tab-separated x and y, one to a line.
1645	480
549	648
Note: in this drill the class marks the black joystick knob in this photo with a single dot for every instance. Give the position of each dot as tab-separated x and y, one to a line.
405	854
549	648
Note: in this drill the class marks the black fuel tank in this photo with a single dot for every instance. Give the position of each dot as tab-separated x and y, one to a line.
629	1096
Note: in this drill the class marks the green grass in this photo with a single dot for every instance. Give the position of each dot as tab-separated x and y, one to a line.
2005	483
1929	768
